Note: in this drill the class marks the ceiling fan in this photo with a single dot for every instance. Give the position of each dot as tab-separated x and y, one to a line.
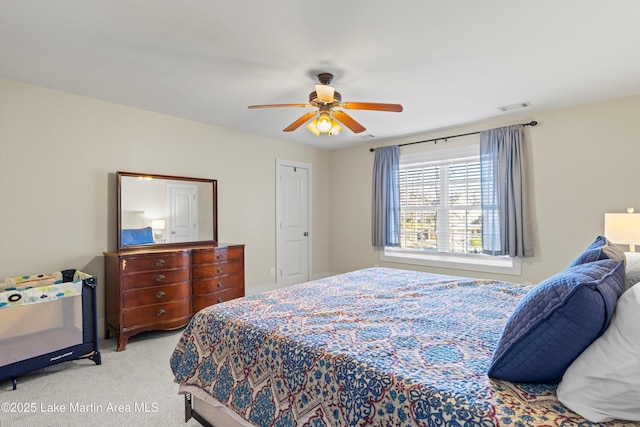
325	98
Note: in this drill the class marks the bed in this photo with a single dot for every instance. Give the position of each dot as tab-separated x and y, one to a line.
378	346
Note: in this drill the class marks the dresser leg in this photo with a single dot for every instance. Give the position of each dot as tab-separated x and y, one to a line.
122	342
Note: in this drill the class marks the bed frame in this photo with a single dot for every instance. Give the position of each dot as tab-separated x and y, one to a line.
190	412
208	411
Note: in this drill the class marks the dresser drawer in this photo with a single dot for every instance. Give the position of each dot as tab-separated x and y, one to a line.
206	286
134	264
213	270
156	313
217	255
156	294
160	277
201	301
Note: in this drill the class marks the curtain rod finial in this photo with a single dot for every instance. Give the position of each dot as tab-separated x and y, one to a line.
532	123
372	149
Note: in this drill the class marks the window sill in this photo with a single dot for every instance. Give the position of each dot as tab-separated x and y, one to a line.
483	263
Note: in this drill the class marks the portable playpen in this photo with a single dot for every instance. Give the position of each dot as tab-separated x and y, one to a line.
45	320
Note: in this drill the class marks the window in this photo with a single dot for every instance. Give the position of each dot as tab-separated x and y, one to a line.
440	206
441	213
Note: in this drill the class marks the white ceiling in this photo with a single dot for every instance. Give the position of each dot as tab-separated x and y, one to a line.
447	62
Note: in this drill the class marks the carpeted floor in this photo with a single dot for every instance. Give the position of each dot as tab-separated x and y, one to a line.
131	388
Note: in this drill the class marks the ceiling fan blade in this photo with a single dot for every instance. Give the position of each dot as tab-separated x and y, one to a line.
299	122
377	106
279	105
348	121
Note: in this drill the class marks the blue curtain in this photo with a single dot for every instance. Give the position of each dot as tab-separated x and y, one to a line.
385	210
506	226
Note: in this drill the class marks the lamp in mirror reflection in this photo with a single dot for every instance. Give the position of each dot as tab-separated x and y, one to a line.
158	225
623	228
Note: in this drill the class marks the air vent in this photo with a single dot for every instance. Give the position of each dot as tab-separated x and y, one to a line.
367	136
512	107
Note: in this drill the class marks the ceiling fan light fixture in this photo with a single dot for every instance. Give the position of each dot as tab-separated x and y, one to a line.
315	126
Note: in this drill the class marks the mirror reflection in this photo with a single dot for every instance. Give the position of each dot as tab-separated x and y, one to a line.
160	209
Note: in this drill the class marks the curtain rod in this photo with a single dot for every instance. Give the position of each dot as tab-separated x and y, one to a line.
531	123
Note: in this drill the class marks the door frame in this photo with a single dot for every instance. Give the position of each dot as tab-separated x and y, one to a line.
289	163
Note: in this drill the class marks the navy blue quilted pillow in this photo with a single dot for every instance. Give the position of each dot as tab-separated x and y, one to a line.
601	248
556	321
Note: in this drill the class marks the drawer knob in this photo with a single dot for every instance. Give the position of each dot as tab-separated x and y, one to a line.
220	299
219	269
220	284
160	295
160	278
159	262
219	256
160	313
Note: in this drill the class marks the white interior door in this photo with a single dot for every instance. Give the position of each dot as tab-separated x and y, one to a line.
183	213
293	222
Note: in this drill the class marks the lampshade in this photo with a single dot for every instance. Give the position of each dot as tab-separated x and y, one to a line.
157	224
325	93
623	228
313	127
335	128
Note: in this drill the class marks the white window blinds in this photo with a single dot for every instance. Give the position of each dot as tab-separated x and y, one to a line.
440	200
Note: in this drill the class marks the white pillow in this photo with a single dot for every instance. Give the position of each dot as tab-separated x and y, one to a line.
603	383
632	269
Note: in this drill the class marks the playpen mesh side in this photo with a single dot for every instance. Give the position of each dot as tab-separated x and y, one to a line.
33	329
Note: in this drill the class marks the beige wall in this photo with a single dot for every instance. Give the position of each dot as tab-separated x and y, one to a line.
582	162
58	157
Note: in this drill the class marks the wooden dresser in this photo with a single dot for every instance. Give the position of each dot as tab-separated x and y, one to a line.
161	289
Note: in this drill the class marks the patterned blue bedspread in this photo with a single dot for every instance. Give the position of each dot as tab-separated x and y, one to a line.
375	347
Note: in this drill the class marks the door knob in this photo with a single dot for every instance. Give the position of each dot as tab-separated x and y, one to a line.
305	234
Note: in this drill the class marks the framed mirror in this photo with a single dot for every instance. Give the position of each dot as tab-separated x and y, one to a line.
164	210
